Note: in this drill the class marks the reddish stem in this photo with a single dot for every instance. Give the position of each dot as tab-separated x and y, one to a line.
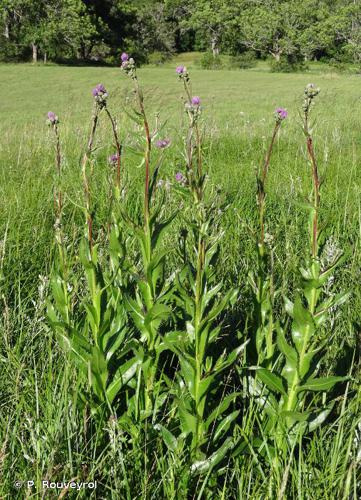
117	146
147	153
86	181
316	186
261	194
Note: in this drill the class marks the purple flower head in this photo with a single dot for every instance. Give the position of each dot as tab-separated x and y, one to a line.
124	57
162	143
282	113
99	90
52	118
179	177
180	70
196	101
113	159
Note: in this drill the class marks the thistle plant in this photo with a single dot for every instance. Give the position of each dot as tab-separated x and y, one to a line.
53	122
100	96
93	331
201	303
149	300
288	397
262	346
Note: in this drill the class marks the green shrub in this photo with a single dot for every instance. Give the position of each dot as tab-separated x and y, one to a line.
338	66
209	61
245	60
288	64
158	58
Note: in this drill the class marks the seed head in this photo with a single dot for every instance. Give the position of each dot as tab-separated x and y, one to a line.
311	91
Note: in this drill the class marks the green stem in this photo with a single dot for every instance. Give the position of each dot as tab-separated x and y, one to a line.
86	180
118	148
147	153
261	194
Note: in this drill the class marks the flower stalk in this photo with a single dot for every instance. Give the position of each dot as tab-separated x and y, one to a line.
262	347
118	148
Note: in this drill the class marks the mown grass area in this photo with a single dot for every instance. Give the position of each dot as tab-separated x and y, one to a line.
40	435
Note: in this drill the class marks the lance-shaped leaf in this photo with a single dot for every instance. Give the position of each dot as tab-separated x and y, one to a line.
225	424
203	466
169	438
303	326
322	384
122	376
274	382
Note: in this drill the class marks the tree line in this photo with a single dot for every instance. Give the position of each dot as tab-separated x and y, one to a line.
97	30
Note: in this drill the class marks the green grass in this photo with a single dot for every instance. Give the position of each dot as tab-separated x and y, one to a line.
39	437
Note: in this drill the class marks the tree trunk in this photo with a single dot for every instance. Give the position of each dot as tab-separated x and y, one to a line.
45	57
6	30
35	52
276	55
214	45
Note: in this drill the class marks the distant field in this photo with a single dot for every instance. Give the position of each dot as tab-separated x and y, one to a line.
238	115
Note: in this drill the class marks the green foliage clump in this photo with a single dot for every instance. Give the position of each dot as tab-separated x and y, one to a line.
210	61
158	58
245	60
287	65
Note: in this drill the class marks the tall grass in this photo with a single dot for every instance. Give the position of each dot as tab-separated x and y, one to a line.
143	374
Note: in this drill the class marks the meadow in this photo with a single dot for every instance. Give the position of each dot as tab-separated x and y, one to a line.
43	434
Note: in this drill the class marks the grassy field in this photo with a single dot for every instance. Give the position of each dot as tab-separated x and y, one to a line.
40	436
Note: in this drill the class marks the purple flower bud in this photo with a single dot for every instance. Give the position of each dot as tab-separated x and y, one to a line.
282	113
196	101
52	118
113	159
162	143
180	70
124	57
179	177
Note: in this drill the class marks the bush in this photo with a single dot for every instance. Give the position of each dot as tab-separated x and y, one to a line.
209	61
288	64
158	58
10	51
338	66
245	60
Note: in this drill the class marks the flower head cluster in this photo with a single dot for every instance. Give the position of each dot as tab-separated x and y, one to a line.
179	177
127	65
194	106
162	143
52	118
280	114
182	73
311	91
100	94
113	159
